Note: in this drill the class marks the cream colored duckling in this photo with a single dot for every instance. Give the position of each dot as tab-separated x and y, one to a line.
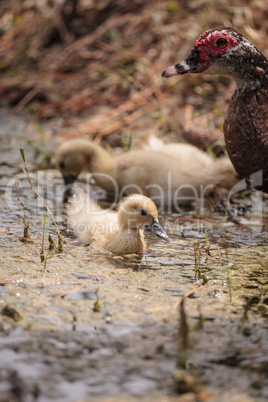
118	232
154	174
186	154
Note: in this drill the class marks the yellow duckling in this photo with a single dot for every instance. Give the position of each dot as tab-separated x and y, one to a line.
154	174
118	232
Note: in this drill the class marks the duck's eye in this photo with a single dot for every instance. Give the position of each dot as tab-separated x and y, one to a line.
221	42
62	165
143	212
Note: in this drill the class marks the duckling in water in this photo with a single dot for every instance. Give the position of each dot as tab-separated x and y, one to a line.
154	174
118	232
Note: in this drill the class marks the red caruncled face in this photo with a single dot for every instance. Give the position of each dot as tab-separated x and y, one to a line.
213	43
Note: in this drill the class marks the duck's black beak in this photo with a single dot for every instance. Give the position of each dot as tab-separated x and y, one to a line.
191	64
157	229
68	180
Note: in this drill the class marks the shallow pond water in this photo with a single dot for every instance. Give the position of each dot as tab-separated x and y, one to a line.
89	325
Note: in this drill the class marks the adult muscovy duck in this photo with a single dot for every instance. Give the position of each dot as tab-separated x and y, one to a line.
225	51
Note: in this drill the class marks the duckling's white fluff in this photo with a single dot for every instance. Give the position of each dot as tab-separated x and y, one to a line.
118	232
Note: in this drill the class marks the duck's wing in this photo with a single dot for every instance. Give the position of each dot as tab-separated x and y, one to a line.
88	220
186	154
220	173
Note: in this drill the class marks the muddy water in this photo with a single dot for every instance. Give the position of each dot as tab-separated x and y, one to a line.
88	325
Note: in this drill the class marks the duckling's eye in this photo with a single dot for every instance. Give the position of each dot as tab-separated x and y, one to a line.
62	165
143	212
221	42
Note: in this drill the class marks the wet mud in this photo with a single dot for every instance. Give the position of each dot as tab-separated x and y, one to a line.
84	324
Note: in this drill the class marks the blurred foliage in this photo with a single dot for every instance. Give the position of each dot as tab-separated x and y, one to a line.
69	57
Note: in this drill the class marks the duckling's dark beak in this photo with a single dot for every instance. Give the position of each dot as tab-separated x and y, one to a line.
69	179
68	192
157	229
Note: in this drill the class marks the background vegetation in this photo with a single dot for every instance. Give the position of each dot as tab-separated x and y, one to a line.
102	60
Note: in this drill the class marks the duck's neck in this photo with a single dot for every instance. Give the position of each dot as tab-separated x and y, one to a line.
128	240
134	239
131	235
97	158
249	70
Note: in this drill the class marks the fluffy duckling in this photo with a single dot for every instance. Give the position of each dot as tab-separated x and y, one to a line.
118	232
161	177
